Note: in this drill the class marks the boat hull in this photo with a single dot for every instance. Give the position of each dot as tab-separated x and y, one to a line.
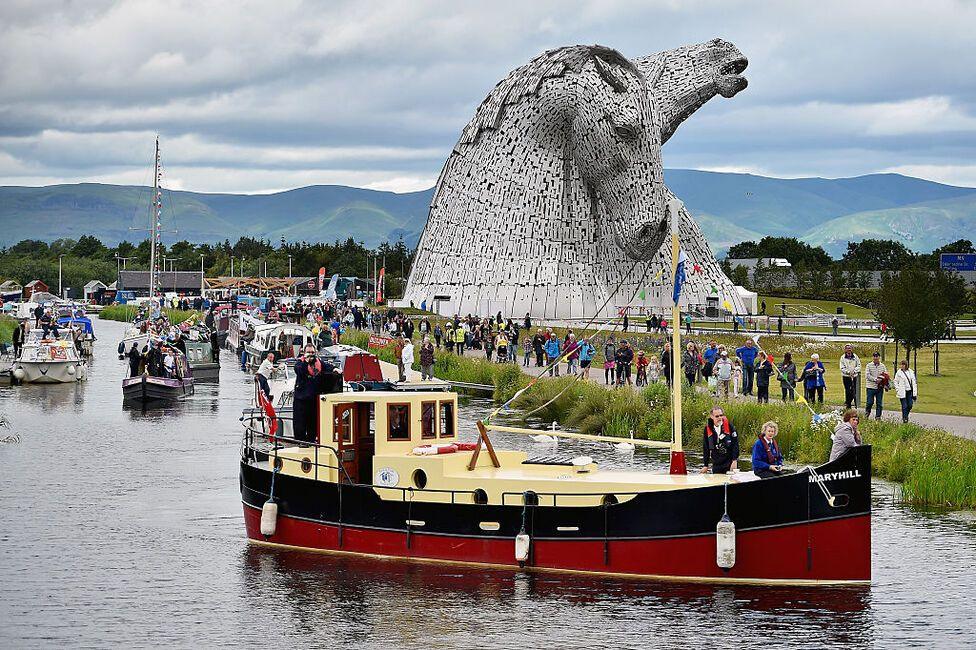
205	371
146	389
50	372
787	532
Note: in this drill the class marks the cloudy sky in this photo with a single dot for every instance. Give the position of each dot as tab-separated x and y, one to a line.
256	97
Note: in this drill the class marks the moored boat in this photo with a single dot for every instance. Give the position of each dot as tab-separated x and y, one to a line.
49	360
387	477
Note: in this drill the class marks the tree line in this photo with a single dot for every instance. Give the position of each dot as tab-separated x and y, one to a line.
88	258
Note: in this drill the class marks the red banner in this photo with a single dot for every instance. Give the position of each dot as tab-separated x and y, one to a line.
321	278
379	285
377	341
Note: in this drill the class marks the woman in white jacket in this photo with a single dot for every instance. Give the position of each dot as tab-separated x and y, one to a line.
906	388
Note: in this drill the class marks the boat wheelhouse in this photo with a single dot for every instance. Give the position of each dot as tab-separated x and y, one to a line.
388	476
283	340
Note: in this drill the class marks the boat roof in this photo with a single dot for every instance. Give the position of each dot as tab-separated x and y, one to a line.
285	326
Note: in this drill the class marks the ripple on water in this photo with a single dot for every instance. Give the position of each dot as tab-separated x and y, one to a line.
124	528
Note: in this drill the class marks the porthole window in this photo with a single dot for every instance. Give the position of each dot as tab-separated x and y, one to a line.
306	465
480	497
420	478
610	500
530	498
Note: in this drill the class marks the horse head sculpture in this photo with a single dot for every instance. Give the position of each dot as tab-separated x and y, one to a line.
554	195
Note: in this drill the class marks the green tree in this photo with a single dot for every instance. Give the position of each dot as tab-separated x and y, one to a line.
918	303
877	255
960	246
789	248
89	246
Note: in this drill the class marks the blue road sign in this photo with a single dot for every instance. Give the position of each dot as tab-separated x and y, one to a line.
958	261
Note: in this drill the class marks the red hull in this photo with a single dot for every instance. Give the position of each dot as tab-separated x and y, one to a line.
842	550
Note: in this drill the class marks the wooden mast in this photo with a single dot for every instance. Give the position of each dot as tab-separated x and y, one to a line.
678	465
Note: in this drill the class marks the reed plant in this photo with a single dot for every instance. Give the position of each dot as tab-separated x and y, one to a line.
7	326
125	313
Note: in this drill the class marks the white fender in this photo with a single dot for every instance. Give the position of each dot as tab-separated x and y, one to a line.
71	370
269	518
725	543
522	542
20	374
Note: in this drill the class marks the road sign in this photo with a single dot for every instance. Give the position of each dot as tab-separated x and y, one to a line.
958	261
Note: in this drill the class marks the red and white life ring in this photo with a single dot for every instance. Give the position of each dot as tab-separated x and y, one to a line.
434	450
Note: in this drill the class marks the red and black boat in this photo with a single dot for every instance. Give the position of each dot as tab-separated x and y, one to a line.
387	477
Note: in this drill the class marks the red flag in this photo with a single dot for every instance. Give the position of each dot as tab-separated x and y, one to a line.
379	285
321	278
269	412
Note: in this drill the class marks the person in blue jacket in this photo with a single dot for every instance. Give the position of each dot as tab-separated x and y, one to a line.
813	379
747	354
552	353
586	354
767	459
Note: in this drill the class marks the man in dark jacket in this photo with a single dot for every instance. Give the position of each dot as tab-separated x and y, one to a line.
135	360
538	346
312	378
18	338
720	444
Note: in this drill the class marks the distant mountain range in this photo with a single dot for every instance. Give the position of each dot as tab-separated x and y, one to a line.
730	207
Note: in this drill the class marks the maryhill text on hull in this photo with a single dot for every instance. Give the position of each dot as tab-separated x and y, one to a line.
386	476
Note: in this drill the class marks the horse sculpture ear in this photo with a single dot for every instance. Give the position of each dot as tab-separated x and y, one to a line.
609	75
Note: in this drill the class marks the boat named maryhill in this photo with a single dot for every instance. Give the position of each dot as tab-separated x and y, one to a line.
386	476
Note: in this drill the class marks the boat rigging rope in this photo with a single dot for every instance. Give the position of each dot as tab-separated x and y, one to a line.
823	488
565	353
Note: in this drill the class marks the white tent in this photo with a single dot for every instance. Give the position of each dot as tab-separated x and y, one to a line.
749	298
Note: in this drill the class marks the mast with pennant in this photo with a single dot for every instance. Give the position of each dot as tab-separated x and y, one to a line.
678	465
154	226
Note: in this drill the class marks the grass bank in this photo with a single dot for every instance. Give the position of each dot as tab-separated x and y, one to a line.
126	313
935	468
7	326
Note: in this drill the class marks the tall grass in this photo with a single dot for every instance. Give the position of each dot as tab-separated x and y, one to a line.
126	313
935	468
7	326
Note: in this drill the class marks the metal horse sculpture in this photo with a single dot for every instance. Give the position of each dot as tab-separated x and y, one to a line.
553	200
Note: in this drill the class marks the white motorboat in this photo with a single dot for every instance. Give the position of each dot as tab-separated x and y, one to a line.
50	360
284	340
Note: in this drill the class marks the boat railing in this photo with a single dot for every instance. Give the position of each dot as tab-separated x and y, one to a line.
254	435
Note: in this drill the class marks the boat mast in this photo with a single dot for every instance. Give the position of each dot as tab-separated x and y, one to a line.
678	465
157	211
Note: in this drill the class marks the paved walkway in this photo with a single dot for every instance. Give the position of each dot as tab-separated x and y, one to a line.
963	426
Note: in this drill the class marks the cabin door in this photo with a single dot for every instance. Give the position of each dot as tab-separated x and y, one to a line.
366	438
346	440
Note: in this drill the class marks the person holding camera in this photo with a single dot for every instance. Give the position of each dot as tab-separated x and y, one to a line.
312	378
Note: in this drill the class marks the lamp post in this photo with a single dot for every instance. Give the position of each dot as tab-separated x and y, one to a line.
201	275
231	266
289	267
60	291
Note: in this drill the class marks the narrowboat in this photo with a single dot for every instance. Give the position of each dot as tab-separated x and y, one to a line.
147	389
388	477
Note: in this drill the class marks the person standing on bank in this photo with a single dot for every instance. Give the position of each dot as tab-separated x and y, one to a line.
764	370
406	359
787	377
767	459
846	435
850	368
813	379
747	355
426	359
876	380
720	444
906	388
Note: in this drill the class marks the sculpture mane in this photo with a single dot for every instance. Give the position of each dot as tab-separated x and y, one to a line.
553	200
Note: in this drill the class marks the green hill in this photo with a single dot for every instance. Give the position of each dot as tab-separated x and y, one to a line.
730	207
921	227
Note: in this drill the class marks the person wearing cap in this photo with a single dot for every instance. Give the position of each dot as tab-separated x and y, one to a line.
876	380
723	375
813	379
850	368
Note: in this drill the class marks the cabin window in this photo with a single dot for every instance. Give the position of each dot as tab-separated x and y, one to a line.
342	422
447	419
428	419
398	421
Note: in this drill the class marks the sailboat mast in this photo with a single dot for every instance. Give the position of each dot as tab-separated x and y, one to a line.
677	450
154	225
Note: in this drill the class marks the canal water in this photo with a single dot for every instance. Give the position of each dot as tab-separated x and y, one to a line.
119	527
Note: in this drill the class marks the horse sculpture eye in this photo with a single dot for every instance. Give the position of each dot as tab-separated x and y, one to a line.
625	132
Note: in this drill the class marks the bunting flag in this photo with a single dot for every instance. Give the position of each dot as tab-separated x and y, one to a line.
714	289
642	295
321	278
679	277
727	305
